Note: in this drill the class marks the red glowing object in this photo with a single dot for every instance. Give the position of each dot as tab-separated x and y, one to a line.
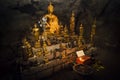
82	59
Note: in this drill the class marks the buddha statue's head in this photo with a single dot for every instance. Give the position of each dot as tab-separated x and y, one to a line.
35	25
73	14
50	8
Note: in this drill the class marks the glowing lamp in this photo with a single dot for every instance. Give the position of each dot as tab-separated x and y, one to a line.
81	57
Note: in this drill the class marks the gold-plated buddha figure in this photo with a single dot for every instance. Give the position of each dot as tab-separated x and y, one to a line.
35	32
72	22
45	35
61	29
65	31
80	38
52	20
27	48
44	47
81	31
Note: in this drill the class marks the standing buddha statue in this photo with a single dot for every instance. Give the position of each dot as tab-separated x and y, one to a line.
80	39
27	48
81	31
72	23
35	32
66	30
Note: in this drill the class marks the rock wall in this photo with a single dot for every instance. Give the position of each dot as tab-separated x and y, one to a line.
14	21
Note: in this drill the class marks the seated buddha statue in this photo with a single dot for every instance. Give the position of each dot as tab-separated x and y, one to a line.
52	20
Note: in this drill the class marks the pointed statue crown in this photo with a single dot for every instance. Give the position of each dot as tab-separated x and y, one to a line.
81	25
50	8
73	14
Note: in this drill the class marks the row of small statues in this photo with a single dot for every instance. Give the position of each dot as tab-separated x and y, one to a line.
30	52
65	38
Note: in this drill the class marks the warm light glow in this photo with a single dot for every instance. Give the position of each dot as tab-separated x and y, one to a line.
34	56
82	59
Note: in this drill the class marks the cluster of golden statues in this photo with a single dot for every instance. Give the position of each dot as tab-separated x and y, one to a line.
51	22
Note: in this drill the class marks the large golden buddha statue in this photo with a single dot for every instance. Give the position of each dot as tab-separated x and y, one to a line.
52	20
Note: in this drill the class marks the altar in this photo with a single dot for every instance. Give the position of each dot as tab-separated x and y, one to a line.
53	48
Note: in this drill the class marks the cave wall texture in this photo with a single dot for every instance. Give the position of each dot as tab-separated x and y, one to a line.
15	12
16	16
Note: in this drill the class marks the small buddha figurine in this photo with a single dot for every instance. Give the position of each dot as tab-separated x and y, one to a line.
80	38
27	48
79	41
44	35
81	31
65	30
35	32
61	30
72	22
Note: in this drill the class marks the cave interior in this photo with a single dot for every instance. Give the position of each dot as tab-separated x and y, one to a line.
17	16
